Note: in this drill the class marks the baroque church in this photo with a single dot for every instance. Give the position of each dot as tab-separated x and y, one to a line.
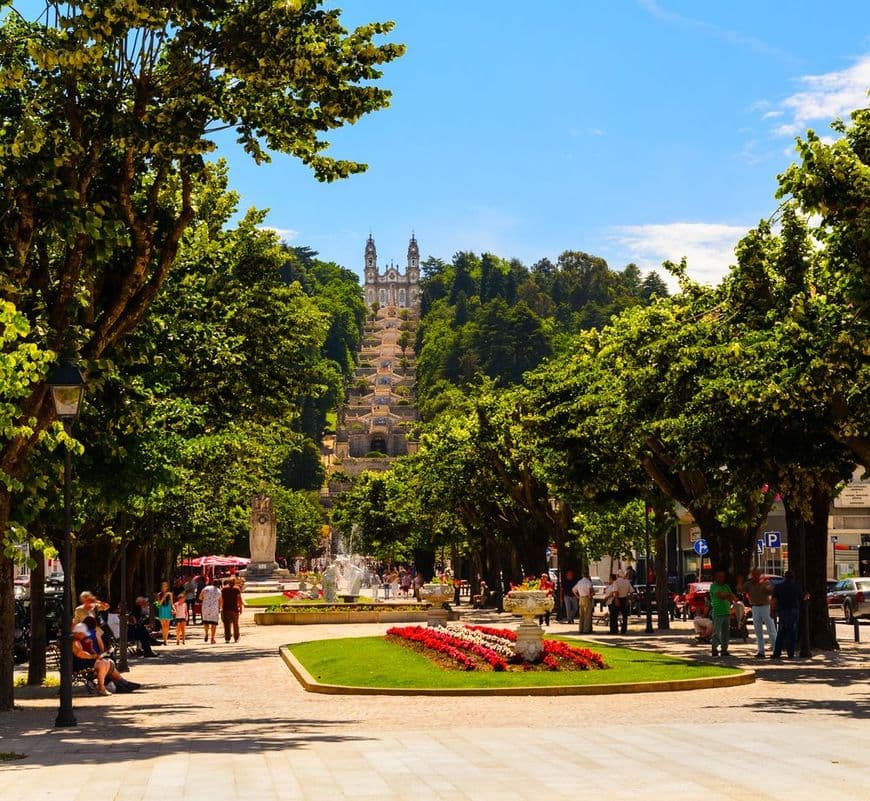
392	287
376	423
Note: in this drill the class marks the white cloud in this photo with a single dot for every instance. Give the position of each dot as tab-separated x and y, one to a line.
284	234
730	37
824	97
708	247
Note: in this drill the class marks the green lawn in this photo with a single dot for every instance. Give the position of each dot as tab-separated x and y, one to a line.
280	600
375	662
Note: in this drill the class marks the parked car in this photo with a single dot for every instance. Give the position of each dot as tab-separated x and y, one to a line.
639	601
851	598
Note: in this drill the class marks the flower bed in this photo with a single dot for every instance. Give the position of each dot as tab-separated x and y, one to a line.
484	648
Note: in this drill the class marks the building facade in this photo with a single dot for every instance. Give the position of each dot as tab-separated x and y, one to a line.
392	287
377	421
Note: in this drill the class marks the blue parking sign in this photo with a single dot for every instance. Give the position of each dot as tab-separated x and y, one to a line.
773	539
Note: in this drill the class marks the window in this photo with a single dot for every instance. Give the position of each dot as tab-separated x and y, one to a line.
383	297
402	297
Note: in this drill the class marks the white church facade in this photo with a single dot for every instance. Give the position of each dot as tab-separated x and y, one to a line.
392	287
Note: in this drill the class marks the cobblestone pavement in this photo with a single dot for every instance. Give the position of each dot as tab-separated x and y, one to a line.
229	721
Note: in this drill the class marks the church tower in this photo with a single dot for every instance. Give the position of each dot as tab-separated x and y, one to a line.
413	260
371	261
392	288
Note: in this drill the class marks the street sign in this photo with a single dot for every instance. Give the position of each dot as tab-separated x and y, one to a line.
773	539
694	533
760	546
700	547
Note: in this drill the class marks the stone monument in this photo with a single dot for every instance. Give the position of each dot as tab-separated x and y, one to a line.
263	572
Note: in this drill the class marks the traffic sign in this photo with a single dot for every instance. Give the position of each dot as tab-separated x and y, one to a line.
700	547
835	539
760	546
773	539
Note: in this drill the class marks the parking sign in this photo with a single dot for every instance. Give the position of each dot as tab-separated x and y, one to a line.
773	539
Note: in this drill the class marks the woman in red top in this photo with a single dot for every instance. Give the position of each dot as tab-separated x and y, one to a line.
548	587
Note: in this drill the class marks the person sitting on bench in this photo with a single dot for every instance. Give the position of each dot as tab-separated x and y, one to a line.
703	625
84	658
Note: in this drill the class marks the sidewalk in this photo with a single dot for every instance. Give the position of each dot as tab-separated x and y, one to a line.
230	719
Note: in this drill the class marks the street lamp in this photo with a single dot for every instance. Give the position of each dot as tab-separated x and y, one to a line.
67	390
649	625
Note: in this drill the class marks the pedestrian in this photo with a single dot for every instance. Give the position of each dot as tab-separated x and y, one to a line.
612	602
164	610
190	598
568	598
622	592
703	625
759	592
721	596
231	607
179	613
547	586
788	595
137	628
210	599
584	591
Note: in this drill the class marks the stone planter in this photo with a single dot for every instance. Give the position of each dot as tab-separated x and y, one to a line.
437	595
528	604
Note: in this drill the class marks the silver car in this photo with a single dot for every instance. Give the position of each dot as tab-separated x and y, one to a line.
851	597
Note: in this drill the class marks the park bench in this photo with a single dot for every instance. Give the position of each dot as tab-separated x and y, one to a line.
87	677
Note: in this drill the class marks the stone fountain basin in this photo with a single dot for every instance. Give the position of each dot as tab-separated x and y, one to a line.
353	614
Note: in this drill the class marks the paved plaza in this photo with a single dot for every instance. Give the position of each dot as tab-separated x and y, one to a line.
229	721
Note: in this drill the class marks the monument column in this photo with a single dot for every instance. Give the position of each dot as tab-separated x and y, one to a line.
262	537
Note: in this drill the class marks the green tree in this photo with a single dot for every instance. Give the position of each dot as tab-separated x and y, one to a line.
110	109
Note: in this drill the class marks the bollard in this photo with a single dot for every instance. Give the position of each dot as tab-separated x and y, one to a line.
857	629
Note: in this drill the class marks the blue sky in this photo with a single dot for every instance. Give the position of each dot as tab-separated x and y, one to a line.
634	130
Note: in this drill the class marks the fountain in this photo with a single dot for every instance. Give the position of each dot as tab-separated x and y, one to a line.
342	579
528	604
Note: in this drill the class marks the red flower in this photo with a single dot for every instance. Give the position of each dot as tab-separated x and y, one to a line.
450	646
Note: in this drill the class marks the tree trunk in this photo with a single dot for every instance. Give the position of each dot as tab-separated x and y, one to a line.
661	568
7	611
821	633
38	638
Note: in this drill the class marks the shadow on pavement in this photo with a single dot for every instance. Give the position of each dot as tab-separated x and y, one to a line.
857	707
125	734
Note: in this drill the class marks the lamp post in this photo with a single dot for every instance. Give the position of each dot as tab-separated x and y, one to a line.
67	390
649	625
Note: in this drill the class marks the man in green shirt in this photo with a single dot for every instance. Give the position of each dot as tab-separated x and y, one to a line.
721	596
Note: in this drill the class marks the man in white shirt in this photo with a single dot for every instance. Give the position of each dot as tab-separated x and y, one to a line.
619	592
584	590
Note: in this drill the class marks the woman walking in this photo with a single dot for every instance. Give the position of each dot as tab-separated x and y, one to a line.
210	598
164	609
180	615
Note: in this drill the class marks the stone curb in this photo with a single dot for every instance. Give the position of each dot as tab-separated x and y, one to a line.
311	685
321	618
